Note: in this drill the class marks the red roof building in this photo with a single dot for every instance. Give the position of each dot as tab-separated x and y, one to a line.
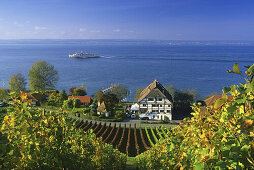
83	99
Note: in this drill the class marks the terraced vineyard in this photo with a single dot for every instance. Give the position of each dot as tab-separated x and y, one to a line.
131	140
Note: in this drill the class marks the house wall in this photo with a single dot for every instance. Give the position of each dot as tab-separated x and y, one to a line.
160	105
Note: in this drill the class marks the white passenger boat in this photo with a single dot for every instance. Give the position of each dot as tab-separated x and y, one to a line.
83	55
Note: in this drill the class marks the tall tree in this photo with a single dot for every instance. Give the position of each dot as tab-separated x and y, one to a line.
98	96
77	91
110	100
80	92
120	91
42	76
17	83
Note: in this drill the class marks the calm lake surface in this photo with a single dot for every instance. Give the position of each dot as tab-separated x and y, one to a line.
184	64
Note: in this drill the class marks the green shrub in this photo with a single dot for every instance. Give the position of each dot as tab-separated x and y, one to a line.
216	137
47	140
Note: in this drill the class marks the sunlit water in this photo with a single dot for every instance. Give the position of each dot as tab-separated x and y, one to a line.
133	63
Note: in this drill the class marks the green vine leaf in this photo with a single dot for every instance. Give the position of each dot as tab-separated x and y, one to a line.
236	68
251	70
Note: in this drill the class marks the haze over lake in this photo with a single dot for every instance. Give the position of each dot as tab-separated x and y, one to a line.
185	64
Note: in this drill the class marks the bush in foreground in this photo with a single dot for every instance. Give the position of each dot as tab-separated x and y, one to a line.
48	140
217	137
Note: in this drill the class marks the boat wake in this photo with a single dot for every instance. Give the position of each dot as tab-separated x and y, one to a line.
108	56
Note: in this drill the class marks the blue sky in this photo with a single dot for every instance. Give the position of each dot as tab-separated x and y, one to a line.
127	19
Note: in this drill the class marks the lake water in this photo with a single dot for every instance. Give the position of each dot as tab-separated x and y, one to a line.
184	64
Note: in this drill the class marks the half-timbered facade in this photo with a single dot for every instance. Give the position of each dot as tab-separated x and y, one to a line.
157	100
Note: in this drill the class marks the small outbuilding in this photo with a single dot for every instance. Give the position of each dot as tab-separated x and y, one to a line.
101	109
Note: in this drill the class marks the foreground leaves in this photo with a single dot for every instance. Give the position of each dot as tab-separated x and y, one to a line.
48	140
217	137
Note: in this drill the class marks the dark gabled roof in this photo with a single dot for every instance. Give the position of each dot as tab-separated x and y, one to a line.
155	89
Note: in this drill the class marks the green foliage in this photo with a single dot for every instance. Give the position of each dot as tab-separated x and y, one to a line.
76	103
111	101
159	133
17	83
68	104
79	92
71	103
148	136
120	91
93	108
57	99
4	95
47	140
153	133
98	96
42	76
166	119
216	137
4	149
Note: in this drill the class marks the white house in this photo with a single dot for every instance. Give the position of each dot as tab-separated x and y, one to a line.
156	99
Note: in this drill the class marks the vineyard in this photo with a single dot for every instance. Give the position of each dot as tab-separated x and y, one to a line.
131	140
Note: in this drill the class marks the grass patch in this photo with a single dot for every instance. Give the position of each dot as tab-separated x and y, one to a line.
131	163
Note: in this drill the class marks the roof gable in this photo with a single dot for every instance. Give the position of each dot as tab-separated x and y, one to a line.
155	89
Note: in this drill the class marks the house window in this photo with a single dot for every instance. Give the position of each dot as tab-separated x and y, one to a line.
161	110
169	105
150	99
160	105
144	104
159	99
154	105
168	111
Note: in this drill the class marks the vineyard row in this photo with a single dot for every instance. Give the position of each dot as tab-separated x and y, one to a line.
129	140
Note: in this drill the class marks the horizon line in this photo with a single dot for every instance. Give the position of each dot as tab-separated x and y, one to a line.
115	39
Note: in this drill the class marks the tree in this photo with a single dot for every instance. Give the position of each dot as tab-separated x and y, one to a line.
110	100
98	96
93	108
42	76
77	91
57	99
120	91
80	92
17	83
3	94
64	95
